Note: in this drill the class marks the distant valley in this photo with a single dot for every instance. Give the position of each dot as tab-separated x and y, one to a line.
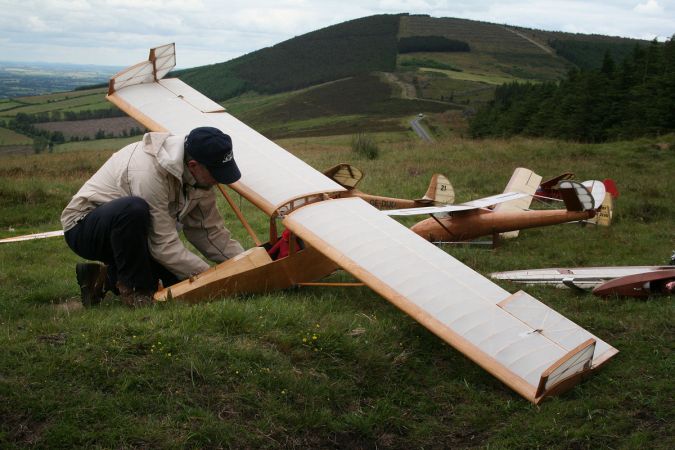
19	79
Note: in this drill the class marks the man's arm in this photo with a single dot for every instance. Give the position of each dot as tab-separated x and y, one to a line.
204	228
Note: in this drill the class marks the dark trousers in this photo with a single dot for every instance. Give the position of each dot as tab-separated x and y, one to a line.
116	233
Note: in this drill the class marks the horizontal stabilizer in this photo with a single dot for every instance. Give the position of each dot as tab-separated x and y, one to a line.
576	196
597	190
160	62
345	175
475	204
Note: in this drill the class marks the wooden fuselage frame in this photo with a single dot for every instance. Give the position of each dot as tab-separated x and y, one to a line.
252	272
384	203
465	225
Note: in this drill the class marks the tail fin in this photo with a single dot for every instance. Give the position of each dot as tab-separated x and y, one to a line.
523	181
582	197
610	186
440	191
345	175
605	212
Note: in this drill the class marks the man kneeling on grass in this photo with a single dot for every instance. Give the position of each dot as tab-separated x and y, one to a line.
128	214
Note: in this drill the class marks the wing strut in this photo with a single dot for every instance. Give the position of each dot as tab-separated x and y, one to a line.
240	216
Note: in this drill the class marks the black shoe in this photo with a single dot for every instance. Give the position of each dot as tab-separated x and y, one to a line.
134	298
91	279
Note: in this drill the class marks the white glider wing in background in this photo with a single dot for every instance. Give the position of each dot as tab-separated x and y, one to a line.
474	204
521	341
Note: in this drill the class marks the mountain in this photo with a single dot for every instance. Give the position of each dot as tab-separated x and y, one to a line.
372	73
404	64
493	52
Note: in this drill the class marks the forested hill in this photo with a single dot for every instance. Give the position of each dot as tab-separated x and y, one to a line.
618	101
387	42
351	48
372	74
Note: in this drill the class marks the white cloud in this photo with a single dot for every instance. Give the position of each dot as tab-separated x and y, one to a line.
36	25
210	31
649	7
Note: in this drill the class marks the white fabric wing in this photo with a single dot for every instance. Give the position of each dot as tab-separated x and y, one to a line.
432	287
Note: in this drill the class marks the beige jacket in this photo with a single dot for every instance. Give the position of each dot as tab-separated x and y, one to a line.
153	169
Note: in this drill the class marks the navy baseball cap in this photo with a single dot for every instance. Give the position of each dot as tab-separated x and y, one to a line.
213	148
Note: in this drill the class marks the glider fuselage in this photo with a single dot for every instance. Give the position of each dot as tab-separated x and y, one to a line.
482	222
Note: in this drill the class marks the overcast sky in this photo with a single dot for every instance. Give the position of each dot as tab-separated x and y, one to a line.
120	32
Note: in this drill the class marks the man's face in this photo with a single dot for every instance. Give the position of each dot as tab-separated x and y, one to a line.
204	179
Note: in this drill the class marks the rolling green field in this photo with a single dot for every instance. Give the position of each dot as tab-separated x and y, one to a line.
487	79
9	137
326	109
332	367
71	101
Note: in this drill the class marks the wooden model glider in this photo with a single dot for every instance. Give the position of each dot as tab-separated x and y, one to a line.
521	341
439	192
660	282
476	218
585	278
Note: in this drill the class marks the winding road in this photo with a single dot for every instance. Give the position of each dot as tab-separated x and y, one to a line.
420	130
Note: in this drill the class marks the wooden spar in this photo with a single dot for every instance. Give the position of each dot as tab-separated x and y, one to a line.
240	216
250	272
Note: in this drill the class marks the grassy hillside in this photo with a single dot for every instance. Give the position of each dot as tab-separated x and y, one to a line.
458	66
324	110
495	49
370	44
331	367
351	48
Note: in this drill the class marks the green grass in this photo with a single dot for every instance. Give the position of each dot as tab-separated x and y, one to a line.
345	106
331	367
70	101
489	79
9	137
6	104
60	96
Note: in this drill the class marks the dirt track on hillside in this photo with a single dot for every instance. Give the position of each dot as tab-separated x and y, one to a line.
407	90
